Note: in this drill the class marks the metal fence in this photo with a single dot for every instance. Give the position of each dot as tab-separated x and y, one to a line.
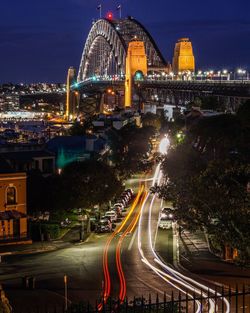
235	300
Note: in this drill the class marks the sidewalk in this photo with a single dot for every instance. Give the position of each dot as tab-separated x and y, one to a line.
196	258
71	237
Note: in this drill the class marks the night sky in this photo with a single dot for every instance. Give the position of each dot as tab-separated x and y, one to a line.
39	40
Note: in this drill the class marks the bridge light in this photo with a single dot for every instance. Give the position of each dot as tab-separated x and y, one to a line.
109	16
138	75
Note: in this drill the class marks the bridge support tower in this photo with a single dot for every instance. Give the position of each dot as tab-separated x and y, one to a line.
72	96
136	62
183	60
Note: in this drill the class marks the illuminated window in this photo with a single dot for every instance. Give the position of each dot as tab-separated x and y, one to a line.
11	195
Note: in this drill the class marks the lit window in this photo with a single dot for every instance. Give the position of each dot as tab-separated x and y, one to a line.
11	195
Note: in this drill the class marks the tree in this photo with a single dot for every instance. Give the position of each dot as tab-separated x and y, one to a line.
88	183
80	129
216	136
153	120
38	192
130	146
207	177
243	114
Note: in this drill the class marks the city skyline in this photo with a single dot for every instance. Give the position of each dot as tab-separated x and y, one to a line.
41	40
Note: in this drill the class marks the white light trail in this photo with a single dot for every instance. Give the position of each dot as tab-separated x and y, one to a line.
170	273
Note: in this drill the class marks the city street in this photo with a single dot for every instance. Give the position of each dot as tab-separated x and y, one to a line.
133	261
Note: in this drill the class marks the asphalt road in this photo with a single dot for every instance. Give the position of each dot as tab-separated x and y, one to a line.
118	264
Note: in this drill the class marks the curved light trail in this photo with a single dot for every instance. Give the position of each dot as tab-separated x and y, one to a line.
107	280
130	228
170	275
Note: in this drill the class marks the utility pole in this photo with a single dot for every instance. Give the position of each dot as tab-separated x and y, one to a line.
66	292
119	7
100	10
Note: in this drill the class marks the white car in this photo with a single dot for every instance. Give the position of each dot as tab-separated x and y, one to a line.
112	215
165	223
119	204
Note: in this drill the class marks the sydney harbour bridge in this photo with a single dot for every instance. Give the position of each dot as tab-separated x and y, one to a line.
103	66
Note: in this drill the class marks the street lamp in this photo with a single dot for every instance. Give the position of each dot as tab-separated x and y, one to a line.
226	74
242	73
164	145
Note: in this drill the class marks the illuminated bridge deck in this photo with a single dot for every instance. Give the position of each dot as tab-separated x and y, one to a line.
218	88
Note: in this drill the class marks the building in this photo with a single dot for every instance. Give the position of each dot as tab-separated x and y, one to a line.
41	160
183	60
70	149
116	120
13	210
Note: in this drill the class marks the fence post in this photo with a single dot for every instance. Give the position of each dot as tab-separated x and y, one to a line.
157	303
194	302
142	303
215	300
208	298
149	301
179	300
201	301
119	304
243	295
110	304
172	302
230	295
103	304
164	301
186	302
236	299
222	299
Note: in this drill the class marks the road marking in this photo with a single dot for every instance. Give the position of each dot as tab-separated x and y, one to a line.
132	240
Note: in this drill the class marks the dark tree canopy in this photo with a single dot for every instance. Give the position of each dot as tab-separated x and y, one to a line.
81	184
207	179
130	146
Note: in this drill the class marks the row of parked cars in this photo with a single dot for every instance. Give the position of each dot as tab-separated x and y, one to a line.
107	222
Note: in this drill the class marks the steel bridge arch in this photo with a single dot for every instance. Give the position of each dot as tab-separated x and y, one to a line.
107	43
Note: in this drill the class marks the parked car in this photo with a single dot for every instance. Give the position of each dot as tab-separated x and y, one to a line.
124	212
126	196
119	204
117	209
112	215
165	223
104	226
123	201
129	190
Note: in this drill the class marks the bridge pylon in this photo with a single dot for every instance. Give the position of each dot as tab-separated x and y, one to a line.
71	96
136	62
